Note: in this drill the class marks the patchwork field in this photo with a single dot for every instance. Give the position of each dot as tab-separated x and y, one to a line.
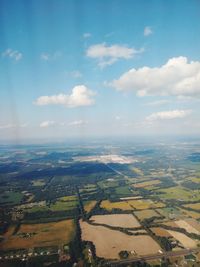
189	213
195	206
40	235
117	220
61	204
138	204
183	239
187	226
144	214
89	205
38	182
179	193
170	213
10	197
160	231
146	184
109	243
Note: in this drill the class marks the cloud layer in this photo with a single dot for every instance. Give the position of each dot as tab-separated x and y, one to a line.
80	96
177	77
168	115
147	31
107	55
50	57
12	54
46	124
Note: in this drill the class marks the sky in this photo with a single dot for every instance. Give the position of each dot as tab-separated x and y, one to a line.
81	68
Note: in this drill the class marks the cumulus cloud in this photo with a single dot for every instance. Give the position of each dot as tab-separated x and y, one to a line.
78	123
87	35
177	77
50	57
147	31
107	55
168	115
80	96
46	124
12	54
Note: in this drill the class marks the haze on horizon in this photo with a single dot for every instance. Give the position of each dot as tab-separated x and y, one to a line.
99	68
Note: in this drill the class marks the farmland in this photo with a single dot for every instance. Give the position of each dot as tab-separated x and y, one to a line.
40	235
137	204
117	220
113	241
94	204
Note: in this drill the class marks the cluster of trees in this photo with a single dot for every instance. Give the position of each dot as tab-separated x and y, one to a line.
48	215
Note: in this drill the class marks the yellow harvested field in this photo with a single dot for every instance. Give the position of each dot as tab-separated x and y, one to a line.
189	213
88	206
109	243
130	198
187	226
138	171
183	239
40	235
146	184
195	206
68	198
170	223
122	205
160	232
193	223
117	220
138	204
144	214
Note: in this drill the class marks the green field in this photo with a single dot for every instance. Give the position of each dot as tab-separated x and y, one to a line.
11	197
179	193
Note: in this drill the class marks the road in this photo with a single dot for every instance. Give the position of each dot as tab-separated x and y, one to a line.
167	254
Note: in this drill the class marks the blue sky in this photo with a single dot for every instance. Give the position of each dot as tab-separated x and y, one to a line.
99	68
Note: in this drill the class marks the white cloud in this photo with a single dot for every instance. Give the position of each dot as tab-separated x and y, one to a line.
12	54
158	102
107	55
177	77
117	118
11	126
87	35
7	126
168	115
76	74
46	124
78	123
80	96
147	31
50	57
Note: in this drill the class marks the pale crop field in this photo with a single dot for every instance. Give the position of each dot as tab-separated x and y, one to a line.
160	232
109	243
146	184
192	214
183	239
195	206
187	226
144	214
138	204
117	220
